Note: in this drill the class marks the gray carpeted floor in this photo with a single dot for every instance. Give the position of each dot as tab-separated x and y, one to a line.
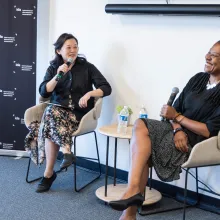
20	202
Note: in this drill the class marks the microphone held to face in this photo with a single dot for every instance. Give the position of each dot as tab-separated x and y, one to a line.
61	73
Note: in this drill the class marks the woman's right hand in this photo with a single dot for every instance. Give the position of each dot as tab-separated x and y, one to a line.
64	68
181	141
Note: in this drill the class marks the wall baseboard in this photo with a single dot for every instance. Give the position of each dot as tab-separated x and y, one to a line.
206	202
13	153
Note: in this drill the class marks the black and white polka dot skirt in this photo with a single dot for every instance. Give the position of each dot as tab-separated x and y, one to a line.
166	159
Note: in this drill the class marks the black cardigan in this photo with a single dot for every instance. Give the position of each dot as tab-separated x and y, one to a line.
199	106
76	83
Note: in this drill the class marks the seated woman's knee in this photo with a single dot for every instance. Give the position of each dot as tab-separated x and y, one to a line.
140	127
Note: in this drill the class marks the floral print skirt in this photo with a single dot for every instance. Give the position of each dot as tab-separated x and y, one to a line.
58	124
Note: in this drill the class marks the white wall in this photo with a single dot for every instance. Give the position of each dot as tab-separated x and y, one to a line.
43	18
143	57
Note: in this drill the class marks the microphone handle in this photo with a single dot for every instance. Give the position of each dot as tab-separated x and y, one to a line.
162	119
170	102
171	99
61	73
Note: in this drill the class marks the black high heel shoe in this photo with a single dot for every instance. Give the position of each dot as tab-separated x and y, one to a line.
120	205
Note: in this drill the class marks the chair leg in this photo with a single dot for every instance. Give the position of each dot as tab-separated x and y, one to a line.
27	174
197	188
185	194
98	159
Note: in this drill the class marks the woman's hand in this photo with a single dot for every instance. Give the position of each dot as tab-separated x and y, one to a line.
64	68
168	112
84	99
181	140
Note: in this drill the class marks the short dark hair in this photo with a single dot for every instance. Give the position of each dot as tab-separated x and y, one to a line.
58	60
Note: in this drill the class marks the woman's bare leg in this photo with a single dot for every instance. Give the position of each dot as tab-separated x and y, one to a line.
141	151
130	213
51	150
139	171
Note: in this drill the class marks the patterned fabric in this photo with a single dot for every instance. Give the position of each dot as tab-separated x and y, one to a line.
166	159
30	142
58	124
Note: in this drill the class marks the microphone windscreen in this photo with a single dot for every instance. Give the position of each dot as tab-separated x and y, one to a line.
69	61
175	90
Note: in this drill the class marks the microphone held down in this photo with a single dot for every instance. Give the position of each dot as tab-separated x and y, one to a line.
175	91
171	99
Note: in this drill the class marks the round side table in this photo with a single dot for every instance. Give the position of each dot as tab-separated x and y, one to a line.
115	191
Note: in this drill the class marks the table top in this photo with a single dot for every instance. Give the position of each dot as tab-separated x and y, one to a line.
111	131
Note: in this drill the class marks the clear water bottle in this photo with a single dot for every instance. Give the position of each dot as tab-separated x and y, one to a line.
123	121
143	112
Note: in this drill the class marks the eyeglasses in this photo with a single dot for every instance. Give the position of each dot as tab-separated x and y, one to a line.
213	55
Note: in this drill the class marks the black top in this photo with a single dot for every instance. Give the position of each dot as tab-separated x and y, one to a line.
74	85
199	106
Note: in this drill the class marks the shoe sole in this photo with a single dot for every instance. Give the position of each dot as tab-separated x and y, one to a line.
62	168
41	191
66	166
120	207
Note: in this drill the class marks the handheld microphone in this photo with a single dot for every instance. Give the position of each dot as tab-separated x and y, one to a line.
61	73
171	99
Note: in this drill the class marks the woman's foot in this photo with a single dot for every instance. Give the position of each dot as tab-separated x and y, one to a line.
127	200
126	217
68	159
129	214
131	191
46	183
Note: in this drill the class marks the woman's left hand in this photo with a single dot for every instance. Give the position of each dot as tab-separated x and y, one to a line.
83	100
168	112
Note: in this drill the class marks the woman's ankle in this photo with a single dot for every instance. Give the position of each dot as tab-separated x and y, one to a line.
130	192
65	151
133	189
48	174
129	214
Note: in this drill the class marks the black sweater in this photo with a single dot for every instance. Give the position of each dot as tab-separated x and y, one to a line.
199	106
75	84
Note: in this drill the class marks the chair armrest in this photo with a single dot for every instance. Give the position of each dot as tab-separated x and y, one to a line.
89	121
219	140
205	153
34	113
87	124
42	99
97	108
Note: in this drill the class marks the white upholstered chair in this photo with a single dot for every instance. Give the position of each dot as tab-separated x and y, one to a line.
87	125
203	154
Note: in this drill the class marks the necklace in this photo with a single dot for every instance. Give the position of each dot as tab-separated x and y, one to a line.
210	86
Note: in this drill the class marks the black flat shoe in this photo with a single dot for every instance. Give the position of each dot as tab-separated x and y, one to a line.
45	183
120	205
68	159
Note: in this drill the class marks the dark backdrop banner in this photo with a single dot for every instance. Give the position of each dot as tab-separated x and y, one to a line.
18	34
